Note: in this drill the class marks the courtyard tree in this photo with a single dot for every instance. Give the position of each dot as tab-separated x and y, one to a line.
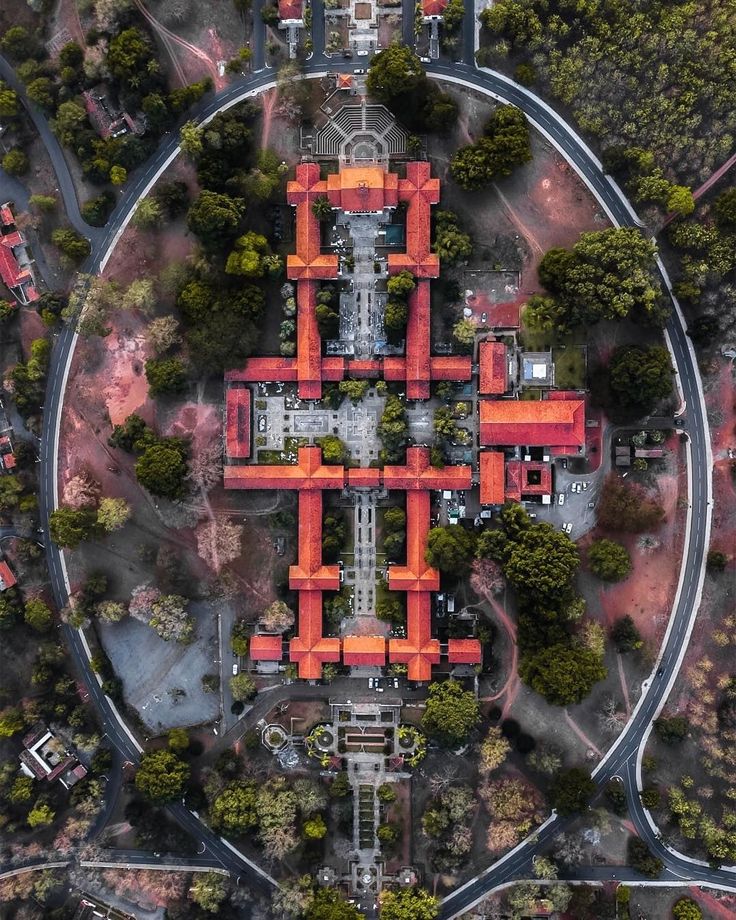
37	615
451	713
450	549
314	828
321	208
464	333
328	904
571	790
161	776
609	560
401	285
333	449
393	429
409	904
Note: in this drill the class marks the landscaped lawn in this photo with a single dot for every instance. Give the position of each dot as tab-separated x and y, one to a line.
569	367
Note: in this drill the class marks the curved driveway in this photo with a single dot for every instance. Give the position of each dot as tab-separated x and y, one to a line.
622	758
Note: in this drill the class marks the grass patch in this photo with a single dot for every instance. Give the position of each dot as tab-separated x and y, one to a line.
569	367
530	394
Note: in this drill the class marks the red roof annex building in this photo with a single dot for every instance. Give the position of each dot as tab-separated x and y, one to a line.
354	190
15	272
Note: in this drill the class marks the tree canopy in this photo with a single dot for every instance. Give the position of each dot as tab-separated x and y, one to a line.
640	376
504	146
450	549
451	713
564	673
409	904
161	776
609	560
571	790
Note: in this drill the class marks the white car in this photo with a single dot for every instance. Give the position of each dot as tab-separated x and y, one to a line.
567	527
235	669
561	498
585	487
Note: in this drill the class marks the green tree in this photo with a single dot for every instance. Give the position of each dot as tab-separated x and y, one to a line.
409	904
130	55
249	256
563	674
393	429
542	563
321	208
627	507
209	890
113	514
505	145
671	729
148	214
19	43
37	615
234	809
355	390
215	218
21	790
686	909
162	470
118	175
642	859
165	376
40	815
451	244
242	687
69	527
444	422
450	549
724	206
571	790
74	246
464	332
401	285
333	449
70	120
15	162
45	203
609	560
161	776
9	104
451	713
640	376
178	740
315	828
625	635
11	721
191	139
327	904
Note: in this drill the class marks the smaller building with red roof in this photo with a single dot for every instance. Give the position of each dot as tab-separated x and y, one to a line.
7	579
494	368
492	486
291	12
237	422
15	264
266	648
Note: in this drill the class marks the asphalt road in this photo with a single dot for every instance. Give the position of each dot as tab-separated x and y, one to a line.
622	759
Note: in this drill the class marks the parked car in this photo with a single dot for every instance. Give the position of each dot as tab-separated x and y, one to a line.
561	498
567	527
235	669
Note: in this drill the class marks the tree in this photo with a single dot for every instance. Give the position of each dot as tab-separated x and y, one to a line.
219	542
191	139
69	527
170	620
571	790
451	713
451	244
11	721
640	376
45	203
401	285
165	376
113	514
627	507
162	470
242	687
315	828
215	218
450	549
724	207
409	904
333	449
209	890
74	246
394	72
563	674
504	146
393	429
37	615
111	611
161	776
355	390
327	904
607	275
118	175
251	257
277	617
686	909
18	43
234	809
162	334
21	790
716	561
15	162
148	214
609	560
671	730
40	815
542	563
642	859
493	750
239	638
625	635
70	120
464	332
9	103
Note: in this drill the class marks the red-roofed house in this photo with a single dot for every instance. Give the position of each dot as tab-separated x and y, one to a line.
433	9
310	649
492	490
7	579
530	423
15	264
266	648
527	479
464	651
237	423
419	651
494	369
363	189
291	12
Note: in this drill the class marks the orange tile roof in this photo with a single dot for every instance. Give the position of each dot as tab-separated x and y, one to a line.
517	479
281	370
417	343
418	473
364	650
417	574
333	369
344	80
308	262
451	367
364	369
364	477
266	648
7	579
310	649
464	651
433	7
309	574
419	651
291	10
307	473
363	189
308	342
492	490
543	423
493	368
237	422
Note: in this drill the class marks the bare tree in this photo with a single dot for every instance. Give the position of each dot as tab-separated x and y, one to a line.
219	542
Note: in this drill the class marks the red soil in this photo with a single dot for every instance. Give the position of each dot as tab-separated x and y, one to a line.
31	327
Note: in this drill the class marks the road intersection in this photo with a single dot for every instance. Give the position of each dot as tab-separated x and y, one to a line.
624	758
